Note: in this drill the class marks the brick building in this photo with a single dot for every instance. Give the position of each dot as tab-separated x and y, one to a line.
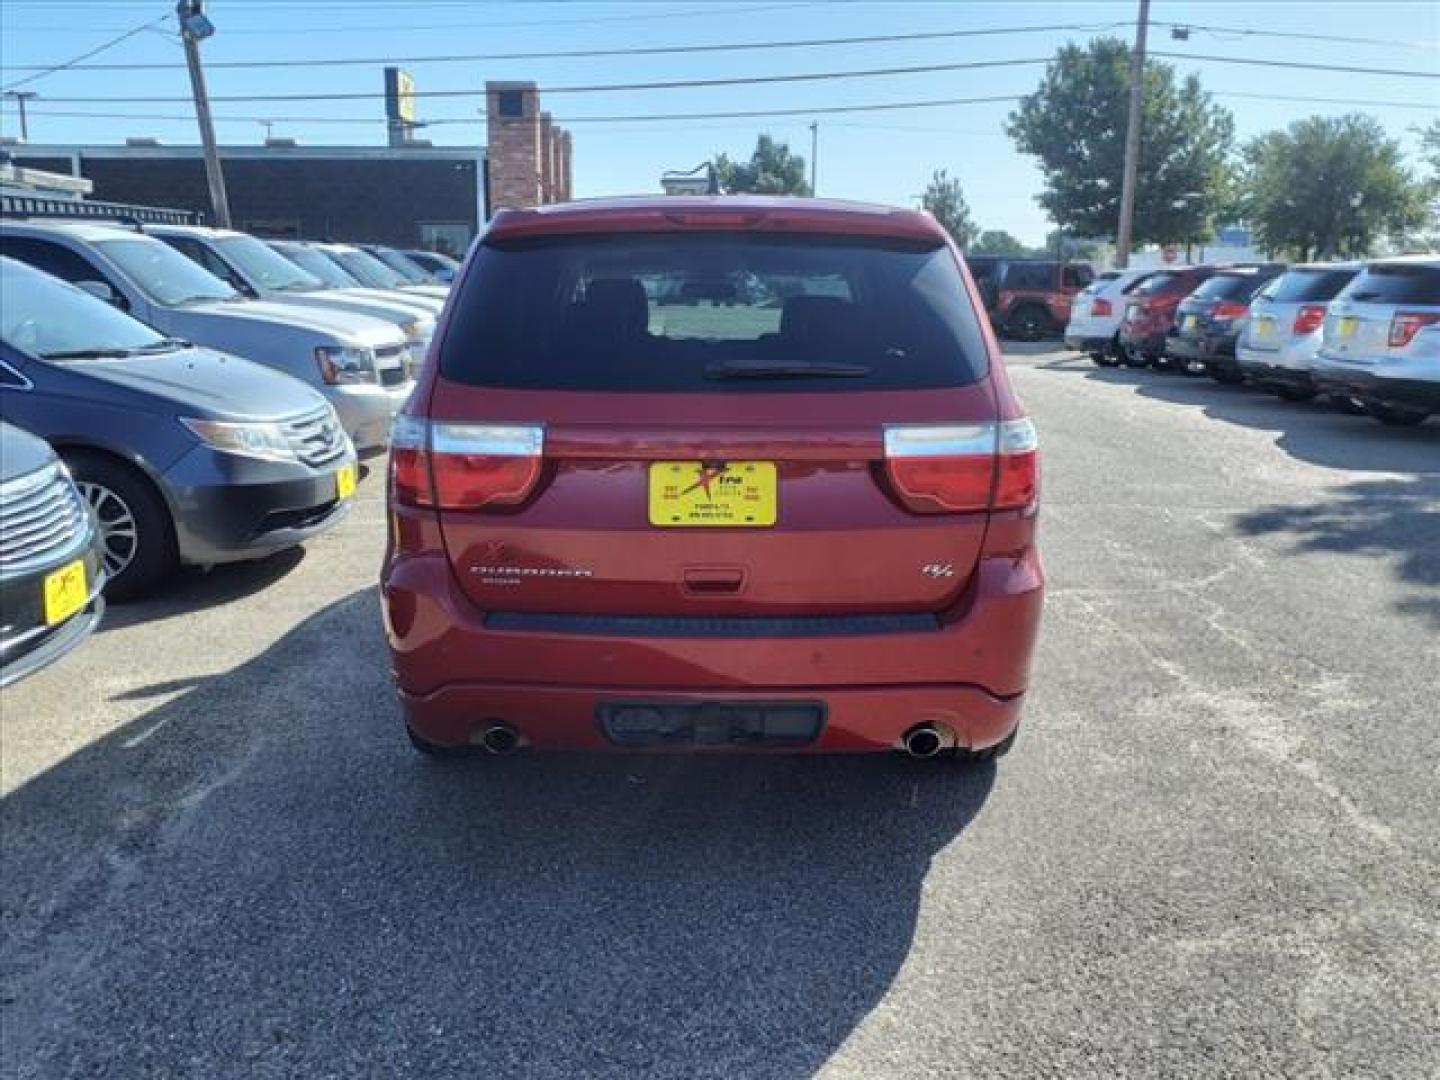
410	194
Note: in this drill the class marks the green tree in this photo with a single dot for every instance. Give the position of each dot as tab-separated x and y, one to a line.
998	242
945	199
1074	124
1329	187
1430	149
771	170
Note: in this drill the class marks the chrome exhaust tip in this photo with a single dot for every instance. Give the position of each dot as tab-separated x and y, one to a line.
923	741
499	738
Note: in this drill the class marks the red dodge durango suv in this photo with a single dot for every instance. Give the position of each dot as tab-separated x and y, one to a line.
714	474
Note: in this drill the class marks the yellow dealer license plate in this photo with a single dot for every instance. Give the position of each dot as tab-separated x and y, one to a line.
711	493
1191	321
345	482
1265	328
66	591
1346	326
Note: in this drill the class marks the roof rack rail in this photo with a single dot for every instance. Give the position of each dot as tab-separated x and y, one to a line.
32	206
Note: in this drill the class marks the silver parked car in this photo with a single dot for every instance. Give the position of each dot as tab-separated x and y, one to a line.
367	268
361	365
256	270
1277	346
1382	340
333	276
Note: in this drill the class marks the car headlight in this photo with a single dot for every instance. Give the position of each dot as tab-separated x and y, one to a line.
340	364
249	439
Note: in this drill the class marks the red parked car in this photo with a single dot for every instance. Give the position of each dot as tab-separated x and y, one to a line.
1150	313
795	512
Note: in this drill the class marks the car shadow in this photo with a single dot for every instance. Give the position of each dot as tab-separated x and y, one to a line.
1397	518
260	877
1313	432
192	589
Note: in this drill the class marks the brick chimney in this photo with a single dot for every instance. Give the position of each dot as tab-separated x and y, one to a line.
547	159
564	177
512	119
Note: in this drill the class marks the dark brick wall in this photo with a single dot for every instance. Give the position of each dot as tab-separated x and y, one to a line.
375	200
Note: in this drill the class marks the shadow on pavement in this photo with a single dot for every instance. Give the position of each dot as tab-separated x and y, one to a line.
260	878
1313	432
192	589
1395	518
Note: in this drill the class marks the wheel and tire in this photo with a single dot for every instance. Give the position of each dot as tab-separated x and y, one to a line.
137	538
1227	376
1396	415
1134	358
1294	393
1028	322
1351	406
990	753
1101	359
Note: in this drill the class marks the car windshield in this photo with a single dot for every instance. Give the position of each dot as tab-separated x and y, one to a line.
46	317
403	266
1226	287
1155	283
367	268
263	267
163	274
1301	286
654	312
1396	283
319	265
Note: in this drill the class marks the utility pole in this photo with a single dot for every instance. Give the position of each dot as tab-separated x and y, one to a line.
195	28
20	97
814	155
1132	140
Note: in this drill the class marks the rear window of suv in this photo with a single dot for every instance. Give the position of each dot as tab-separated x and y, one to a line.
716	311
1307	286
1396	283
1227	287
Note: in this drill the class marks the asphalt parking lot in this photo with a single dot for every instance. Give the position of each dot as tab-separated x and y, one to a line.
1215	850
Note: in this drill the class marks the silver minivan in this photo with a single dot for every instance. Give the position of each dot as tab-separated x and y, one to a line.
363	366
1382	340
1277	345
258	271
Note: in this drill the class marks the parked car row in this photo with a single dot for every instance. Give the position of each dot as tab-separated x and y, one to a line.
1367	334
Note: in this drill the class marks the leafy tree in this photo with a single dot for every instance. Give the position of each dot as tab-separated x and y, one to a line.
998	242
946	201
1430	149
771	170
1329	186
1059	244
1074	123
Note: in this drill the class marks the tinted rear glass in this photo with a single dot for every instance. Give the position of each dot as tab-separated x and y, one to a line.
668	312
1137	285
1156	283
1301	286
1030	276
1227	287
1396	283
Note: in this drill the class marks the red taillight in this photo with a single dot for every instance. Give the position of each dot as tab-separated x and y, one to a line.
964	468
1230	309
1309	318
458	466
1101	307
1406	324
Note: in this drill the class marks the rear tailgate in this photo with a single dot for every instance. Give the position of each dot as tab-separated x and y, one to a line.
587	542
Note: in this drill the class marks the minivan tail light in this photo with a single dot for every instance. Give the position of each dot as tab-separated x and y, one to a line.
1101	308
462	466
963	468
1406	324
1309	318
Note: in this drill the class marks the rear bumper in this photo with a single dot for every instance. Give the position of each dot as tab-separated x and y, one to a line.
1146	342
967	675
1262	373
1354	381
1084	344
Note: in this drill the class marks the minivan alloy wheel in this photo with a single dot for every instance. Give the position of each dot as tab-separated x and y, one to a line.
119	533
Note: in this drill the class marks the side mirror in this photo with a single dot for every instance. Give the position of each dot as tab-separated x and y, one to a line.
102	291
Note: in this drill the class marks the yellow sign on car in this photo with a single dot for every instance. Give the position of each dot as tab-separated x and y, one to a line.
713	493
345	482
1346	326
66	591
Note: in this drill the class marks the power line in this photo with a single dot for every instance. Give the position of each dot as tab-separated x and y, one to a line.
1243	32
576	54
1298	65
671	84
74	62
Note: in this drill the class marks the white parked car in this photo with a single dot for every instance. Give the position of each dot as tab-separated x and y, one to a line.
1277	344
1382	340
1095	314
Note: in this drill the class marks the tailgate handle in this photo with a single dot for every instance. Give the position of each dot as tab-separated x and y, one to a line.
720	579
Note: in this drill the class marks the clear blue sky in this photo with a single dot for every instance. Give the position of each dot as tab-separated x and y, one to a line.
882	156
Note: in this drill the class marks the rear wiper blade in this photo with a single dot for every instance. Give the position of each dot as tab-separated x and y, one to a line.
86	354
737	369
169	344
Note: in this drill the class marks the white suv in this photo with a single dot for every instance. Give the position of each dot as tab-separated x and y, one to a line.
1382	340
1094	325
